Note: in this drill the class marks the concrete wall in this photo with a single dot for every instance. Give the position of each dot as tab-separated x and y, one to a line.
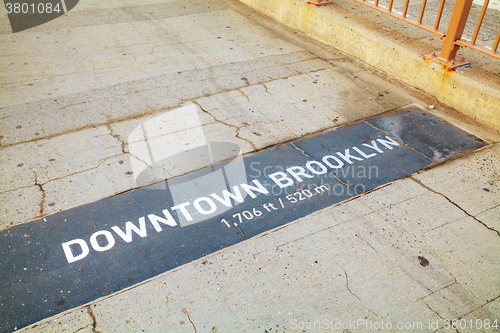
471	91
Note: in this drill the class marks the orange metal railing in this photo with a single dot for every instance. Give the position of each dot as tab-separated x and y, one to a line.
452	38
472	44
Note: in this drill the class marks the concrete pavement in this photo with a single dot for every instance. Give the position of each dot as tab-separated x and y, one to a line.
421	249
397	48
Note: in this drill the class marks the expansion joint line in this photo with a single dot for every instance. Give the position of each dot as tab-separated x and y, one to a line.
454	204
438	290
400	142
487	302
137	116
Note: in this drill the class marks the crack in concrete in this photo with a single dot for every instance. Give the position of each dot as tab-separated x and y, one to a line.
254	148
111	182
241	92
123	145
267	89
453	276
229	125
333	226
347	286
84	327
332	120
311	71
141	115
484	211
41	205
82	171
189	318
147	38
350	291
374	249
454	204
94	321
241	232
437	314
94	71
435	291
300	238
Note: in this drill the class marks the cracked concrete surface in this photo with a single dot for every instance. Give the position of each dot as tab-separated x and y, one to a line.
401	253
477	190
265	91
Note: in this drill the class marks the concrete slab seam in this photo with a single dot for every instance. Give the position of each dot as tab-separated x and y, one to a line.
400	142
151	112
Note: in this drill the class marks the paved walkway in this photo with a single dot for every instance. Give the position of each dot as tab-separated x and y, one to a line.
417	251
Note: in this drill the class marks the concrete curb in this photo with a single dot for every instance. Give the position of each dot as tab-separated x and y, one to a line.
475	93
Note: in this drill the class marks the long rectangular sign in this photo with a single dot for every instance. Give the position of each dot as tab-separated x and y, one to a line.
74	257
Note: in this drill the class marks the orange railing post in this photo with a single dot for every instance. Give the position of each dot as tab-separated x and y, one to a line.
452	39
456	27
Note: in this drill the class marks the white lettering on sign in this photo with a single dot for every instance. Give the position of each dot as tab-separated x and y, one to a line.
69	253
347	156
103	240
182	208
363	154
258	188
388	143
78	249
129	227
326	159
322	171
169	220
373	146
109	239
298	173
212	207
226	201
281	179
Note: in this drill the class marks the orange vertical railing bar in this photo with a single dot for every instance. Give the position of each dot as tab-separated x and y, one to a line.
422	10
390	5
439	15
480	21
497	40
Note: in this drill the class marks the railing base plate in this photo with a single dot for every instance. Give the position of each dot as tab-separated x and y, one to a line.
448	65
319	2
